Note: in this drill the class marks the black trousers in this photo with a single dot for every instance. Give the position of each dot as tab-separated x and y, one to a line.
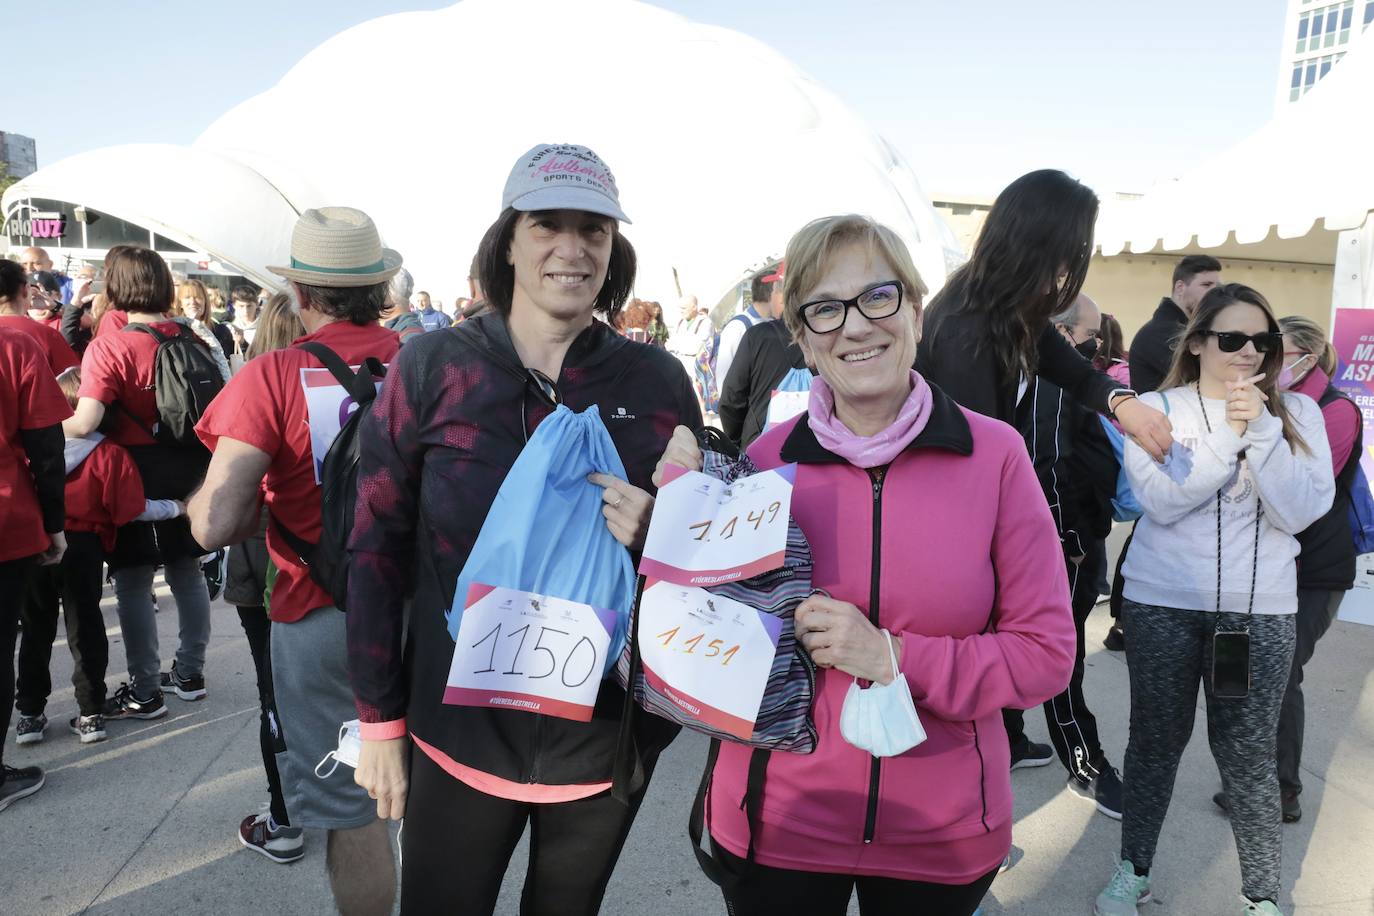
765	891
1316	611
1072	726
457	842
76	585
14	580
257	627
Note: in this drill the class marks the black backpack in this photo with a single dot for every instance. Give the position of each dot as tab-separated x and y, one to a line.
186	380
328	560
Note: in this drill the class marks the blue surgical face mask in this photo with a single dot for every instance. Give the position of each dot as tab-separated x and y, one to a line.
882	719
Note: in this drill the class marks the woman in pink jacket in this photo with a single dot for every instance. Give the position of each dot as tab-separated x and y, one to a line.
933	542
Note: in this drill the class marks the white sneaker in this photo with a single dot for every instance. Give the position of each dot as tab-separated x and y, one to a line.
1123	893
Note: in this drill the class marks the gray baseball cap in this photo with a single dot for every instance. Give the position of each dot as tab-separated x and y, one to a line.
562	176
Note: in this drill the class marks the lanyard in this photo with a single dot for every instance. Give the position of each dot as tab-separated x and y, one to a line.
1259	511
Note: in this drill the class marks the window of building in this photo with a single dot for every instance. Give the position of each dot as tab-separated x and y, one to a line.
1302	33
1311	76
1315	31
1295	89
1331	27
1347	14
1326	67
1368	12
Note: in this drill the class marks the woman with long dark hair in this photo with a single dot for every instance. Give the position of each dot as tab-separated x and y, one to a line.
1211	584
1111	356
987	334
988	331
457	411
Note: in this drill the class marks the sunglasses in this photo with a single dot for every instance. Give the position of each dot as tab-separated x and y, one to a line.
545	390
1233	341
825	316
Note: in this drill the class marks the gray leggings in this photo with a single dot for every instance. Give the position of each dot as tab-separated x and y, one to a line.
133	592
1168	652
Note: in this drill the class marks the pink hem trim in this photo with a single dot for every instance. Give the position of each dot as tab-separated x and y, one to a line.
382	731
532	793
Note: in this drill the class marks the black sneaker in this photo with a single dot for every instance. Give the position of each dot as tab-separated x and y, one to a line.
29	729
1292	811
89	729
124	705
1115	640
1030	754
213	566
1104	790
17	783
188	688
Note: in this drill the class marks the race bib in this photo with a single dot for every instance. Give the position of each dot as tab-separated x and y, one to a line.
533	653
709	655
784	405
705	531
327	408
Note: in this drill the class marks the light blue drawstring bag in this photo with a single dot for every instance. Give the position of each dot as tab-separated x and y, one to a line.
545	532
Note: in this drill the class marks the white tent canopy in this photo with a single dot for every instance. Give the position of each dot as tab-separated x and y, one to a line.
721	148
197	198
1302	177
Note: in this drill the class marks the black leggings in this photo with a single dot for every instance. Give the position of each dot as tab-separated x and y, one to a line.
76	583
256	627
14	581
457	842
766	891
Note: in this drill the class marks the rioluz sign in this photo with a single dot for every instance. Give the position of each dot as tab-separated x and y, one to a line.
37	225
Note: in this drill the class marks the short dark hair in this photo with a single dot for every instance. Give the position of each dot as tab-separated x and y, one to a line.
358	304
244	293
12	279
497	276
760	290
1193	265
139	281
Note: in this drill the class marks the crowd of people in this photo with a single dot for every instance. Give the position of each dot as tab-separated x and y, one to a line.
955	477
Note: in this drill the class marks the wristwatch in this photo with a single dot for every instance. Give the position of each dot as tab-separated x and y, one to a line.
1124	393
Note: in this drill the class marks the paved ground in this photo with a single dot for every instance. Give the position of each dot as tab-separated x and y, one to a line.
145	822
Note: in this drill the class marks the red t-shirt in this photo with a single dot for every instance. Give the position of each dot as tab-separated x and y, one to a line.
29	399
60	354
110	322
265	406
122	367
104	492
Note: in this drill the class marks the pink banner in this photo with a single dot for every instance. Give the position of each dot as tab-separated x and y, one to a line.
1353	338
520	702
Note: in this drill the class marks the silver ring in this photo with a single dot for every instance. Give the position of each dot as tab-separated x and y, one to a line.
616	504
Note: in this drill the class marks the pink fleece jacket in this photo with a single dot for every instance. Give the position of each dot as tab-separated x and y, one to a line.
970	575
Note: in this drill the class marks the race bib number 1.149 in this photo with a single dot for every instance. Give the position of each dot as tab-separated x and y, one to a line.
530	653
705	531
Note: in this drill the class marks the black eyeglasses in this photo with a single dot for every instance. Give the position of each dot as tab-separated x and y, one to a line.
1232	341
825	316
545	389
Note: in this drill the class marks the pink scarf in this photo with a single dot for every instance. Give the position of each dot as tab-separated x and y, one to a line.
868	451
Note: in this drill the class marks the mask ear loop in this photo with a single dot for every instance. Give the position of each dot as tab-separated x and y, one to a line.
892	654
332	755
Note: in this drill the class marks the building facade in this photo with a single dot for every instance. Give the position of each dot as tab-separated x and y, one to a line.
19	154
1316	35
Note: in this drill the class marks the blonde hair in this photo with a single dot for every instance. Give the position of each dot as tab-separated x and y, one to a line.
69	380
197	287
810	250
1308	337
278	325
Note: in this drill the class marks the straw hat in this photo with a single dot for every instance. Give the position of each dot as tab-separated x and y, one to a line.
338	246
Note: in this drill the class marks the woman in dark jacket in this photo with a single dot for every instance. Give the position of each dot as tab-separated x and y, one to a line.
456	412
987	334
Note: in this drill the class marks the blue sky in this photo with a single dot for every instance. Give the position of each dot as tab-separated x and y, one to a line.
972	93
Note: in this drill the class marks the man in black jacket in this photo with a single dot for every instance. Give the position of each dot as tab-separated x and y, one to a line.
1077	470
1152	350
766	355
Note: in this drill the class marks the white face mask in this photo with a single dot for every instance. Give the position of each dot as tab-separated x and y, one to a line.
882	719
349	749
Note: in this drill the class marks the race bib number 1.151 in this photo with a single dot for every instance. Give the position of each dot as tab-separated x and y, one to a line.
705	531
709	655
531	653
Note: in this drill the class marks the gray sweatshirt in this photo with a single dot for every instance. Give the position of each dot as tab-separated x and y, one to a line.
1172	560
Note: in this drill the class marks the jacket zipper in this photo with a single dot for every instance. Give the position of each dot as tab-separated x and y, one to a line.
876	475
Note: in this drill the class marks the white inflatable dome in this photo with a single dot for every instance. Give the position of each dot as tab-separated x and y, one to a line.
721	148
